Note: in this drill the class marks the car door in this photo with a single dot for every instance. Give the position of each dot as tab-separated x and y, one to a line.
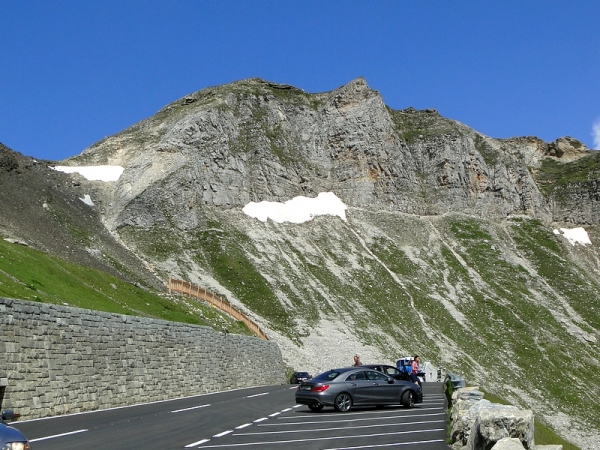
383	392
359	387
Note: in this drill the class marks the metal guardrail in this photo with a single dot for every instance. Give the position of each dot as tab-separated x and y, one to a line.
193	290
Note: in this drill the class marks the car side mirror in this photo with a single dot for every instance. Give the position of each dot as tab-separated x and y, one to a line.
390	380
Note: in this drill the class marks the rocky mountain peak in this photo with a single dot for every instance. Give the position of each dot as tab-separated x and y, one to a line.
567	149
447	249
256	140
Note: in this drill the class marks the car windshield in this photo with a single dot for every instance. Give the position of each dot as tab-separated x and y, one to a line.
301	374
328	376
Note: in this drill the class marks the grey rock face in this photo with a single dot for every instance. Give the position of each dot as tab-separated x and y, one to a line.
480	424
411	252
494	424
253	141
508	444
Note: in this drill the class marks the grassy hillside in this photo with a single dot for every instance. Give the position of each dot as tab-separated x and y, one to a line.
509	305
28	274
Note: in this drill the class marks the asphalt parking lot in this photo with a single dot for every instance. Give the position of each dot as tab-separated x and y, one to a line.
423	427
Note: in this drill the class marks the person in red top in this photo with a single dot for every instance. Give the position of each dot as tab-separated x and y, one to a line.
414	368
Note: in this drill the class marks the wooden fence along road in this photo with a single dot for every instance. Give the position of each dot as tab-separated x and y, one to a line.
193	290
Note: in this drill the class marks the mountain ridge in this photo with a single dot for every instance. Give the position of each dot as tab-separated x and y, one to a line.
448	248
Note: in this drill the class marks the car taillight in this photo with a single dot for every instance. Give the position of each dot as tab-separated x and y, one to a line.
320	388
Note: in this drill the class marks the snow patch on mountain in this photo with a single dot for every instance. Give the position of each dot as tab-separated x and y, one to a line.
574	235
297	210
94	173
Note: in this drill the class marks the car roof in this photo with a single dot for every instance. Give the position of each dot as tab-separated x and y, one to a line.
370	366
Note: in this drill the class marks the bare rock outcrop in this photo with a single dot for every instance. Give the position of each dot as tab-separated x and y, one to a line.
567	149
254	140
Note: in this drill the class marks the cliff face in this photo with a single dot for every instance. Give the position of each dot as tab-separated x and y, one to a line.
448	249
253	140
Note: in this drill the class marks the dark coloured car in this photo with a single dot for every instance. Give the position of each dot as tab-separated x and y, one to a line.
10	438
298	377
356	386
391	371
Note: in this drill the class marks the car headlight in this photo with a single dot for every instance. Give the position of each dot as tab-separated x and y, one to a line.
16	446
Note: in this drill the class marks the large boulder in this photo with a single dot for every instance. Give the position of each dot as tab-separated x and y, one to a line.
567	149
479	424
508	444
499	422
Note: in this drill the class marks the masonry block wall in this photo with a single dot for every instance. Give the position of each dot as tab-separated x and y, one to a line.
60	360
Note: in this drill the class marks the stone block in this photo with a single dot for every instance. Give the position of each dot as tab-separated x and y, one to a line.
494	424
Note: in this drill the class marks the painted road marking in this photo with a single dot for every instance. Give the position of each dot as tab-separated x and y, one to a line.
356	427
257	395
203	441
57	435
395	444
301	422
189	409
292	441
223	433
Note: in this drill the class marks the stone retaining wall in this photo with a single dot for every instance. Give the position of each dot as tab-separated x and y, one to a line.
478	424
59	360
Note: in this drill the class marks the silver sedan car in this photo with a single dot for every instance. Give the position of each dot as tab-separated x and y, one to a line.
360	386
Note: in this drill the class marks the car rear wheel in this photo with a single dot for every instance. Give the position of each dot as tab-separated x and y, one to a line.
316	407
343	402
408	399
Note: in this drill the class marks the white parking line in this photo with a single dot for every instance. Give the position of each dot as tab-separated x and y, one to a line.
291	441
387	445
355	427
396	411
57	435
223	433
189	409
261	419
243	426
257	395
194	444
274	414
340	419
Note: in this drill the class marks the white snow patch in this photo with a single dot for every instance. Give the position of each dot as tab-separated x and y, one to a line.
575	235
94	173
87	200
297	210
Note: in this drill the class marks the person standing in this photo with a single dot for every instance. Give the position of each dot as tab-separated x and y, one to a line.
414	368
356	361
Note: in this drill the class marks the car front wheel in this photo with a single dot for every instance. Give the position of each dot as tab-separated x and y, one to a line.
408	399
343	402
316	408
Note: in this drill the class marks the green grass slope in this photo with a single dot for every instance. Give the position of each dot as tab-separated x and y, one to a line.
28	274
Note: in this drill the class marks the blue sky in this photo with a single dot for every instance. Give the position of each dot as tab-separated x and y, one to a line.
73	72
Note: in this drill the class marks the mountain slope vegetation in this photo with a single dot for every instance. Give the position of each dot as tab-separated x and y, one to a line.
448	249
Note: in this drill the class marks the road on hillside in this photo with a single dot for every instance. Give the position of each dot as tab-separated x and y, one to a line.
262	418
